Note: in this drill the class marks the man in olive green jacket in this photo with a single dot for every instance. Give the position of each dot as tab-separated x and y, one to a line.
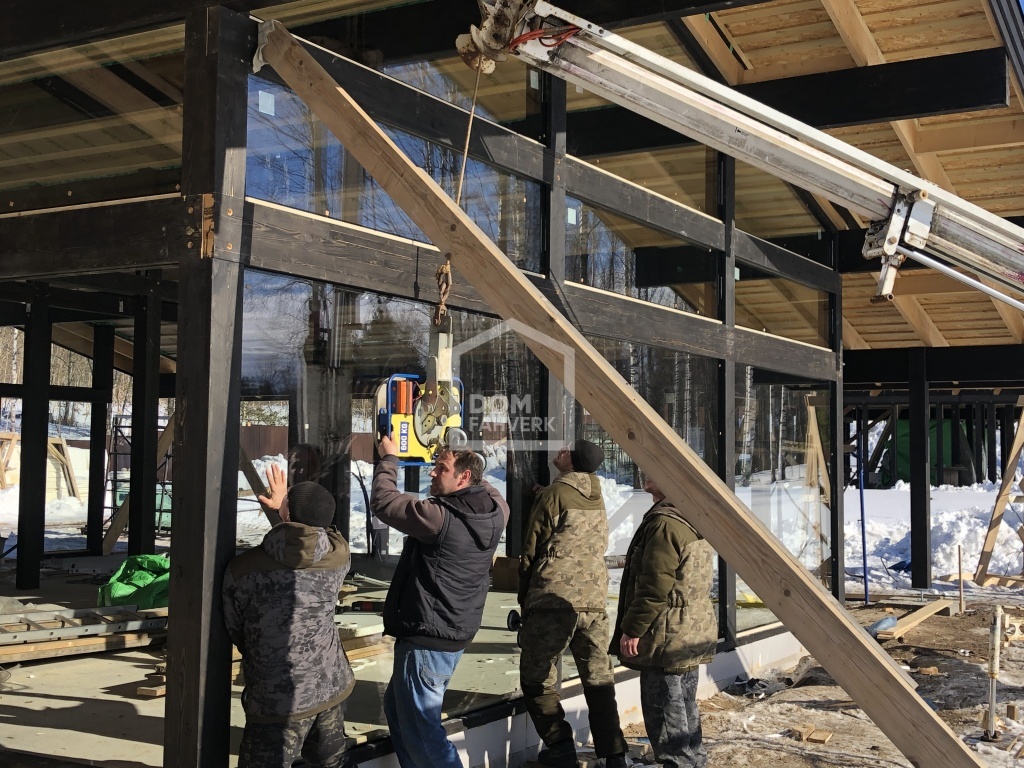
666	628
563	590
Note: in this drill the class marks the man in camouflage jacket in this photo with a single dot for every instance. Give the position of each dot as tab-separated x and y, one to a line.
563	589
279	603
666	628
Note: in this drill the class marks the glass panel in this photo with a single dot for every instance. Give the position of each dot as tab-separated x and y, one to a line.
12	354
683	389
783	475
294	161
69	369
607	251
769	207
781	307
109	112
67	476
314	356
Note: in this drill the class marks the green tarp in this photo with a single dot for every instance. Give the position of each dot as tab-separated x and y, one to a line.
142	580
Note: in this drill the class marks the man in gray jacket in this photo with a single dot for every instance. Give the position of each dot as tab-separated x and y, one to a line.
436	600
279	603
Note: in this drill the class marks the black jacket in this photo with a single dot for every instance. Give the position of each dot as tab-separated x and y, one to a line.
437	594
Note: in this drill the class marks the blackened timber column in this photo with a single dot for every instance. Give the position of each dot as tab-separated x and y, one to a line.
145	404
219	46
35	423
720	201
920	474
102	381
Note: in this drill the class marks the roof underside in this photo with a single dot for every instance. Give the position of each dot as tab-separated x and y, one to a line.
114	108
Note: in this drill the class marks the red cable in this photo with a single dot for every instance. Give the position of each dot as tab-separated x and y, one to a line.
555	36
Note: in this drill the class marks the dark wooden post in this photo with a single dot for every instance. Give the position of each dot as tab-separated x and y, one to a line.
837	437
920	474
145	404
102	382
720	201
35	424
219	45
991	422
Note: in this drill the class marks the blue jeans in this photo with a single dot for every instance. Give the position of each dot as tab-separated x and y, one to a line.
412	704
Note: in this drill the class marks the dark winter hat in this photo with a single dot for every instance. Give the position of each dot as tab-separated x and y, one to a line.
310	504
586	457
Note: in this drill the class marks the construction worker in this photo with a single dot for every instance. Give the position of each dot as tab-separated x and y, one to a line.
279	603
563	589
666	627
436	600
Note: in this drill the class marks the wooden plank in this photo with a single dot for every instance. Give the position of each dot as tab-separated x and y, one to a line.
912	311
907	623
981	575
120	519
830	634
54	649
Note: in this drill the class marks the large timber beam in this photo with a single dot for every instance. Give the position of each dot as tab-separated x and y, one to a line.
853	658
904	90
995	366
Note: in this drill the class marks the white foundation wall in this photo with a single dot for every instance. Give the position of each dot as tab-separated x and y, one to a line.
509	742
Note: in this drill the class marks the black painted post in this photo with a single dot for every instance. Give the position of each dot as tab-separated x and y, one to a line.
920	472
1006	437
978	439
219	46
559	410
990	440
720	201
939	448
35	425
145	404
954	438
102	382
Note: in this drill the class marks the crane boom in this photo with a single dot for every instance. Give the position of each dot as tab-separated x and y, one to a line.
911	217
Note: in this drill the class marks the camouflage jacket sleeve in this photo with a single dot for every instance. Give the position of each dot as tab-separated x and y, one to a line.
539	527
662	553
420	518
232	612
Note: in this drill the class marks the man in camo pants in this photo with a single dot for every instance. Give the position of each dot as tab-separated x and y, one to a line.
563	589
279	603
666	627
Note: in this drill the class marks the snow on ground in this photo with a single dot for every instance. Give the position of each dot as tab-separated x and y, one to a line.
960	516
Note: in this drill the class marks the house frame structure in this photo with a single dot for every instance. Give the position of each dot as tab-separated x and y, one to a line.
105	259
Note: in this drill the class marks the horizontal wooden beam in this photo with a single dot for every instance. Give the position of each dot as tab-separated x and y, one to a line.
147	234
994	366
835	639
978	133
939	85
318	248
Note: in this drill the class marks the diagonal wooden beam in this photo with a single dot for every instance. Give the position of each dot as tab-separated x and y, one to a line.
918	319
851	338
853	658
865	51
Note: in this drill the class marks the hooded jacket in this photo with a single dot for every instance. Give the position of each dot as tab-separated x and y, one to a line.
279	603
562	565
437	594
665	595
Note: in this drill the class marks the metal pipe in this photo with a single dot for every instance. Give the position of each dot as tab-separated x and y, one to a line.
938	266
993	670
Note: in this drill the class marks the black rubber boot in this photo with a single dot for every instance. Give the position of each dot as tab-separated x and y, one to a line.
561	754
